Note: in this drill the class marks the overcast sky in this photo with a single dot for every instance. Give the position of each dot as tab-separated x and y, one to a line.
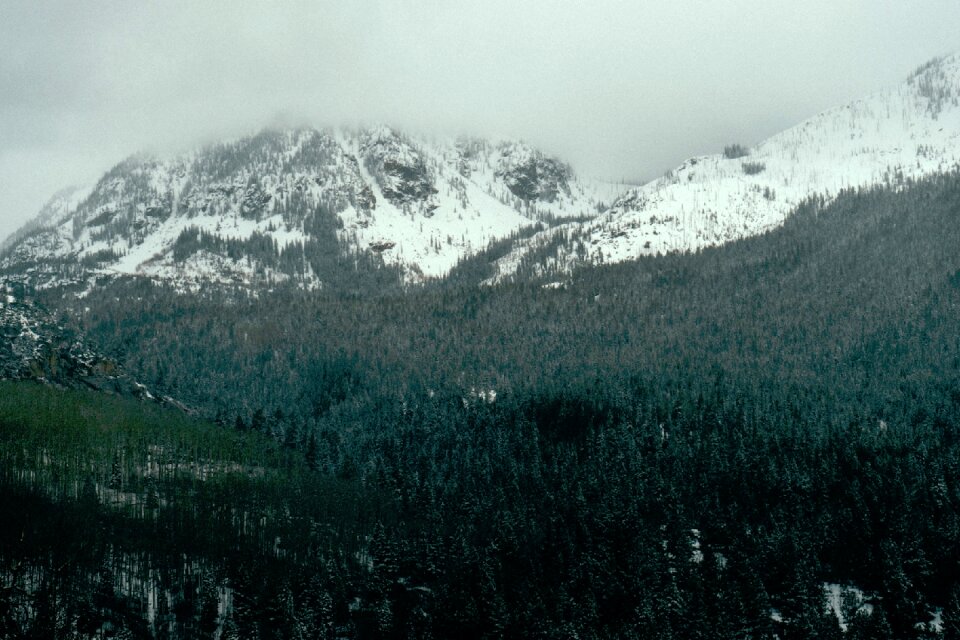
620	89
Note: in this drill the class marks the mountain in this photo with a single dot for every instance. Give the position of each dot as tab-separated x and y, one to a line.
320	207
758	439
673	428
898	134
303	205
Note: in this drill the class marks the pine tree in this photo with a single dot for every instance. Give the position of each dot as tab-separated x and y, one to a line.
325	620
230	630
870	626
116	473
152	500
951	615
209	603
311	455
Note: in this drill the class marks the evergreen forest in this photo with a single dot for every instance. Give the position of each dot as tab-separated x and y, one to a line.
760	440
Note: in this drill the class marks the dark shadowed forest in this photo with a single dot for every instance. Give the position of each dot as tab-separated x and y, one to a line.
683	446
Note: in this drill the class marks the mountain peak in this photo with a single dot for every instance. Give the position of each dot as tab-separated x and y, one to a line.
299	205
902	133
938	83
307	206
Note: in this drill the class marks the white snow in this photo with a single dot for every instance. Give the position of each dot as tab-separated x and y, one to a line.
904	132
936	620
908	131
428	236
696	555
836	593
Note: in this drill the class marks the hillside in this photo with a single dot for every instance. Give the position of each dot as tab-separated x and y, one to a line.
906	131
120	517
748	430
35	345
707	444
819	290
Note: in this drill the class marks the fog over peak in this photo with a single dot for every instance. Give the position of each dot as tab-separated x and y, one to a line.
622	90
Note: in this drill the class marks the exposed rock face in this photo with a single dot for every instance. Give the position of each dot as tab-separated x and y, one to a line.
33	346
406	182
398	167
380	247
283	206
531	176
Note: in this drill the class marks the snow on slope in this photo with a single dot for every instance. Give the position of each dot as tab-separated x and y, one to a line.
421	204
60	205
908	131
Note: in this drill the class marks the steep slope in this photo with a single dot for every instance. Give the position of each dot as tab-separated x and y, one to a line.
58	207
303	205
802	380
34	346
904	132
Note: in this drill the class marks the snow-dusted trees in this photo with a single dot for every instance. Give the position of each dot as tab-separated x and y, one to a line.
734	151
682	446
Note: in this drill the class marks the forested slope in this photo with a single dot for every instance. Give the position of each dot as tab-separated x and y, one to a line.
850	300
682	446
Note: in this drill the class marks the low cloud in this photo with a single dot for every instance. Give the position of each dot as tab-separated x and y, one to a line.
620	89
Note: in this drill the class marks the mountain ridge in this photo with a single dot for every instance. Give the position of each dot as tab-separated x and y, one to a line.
906	131
276	205
314	206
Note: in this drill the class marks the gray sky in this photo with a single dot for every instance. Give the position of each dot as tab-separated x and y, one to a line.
619	89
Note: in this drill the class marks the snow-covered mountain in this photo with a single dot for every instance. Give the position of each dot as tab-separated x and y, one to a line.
907	131
300	204
305	205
